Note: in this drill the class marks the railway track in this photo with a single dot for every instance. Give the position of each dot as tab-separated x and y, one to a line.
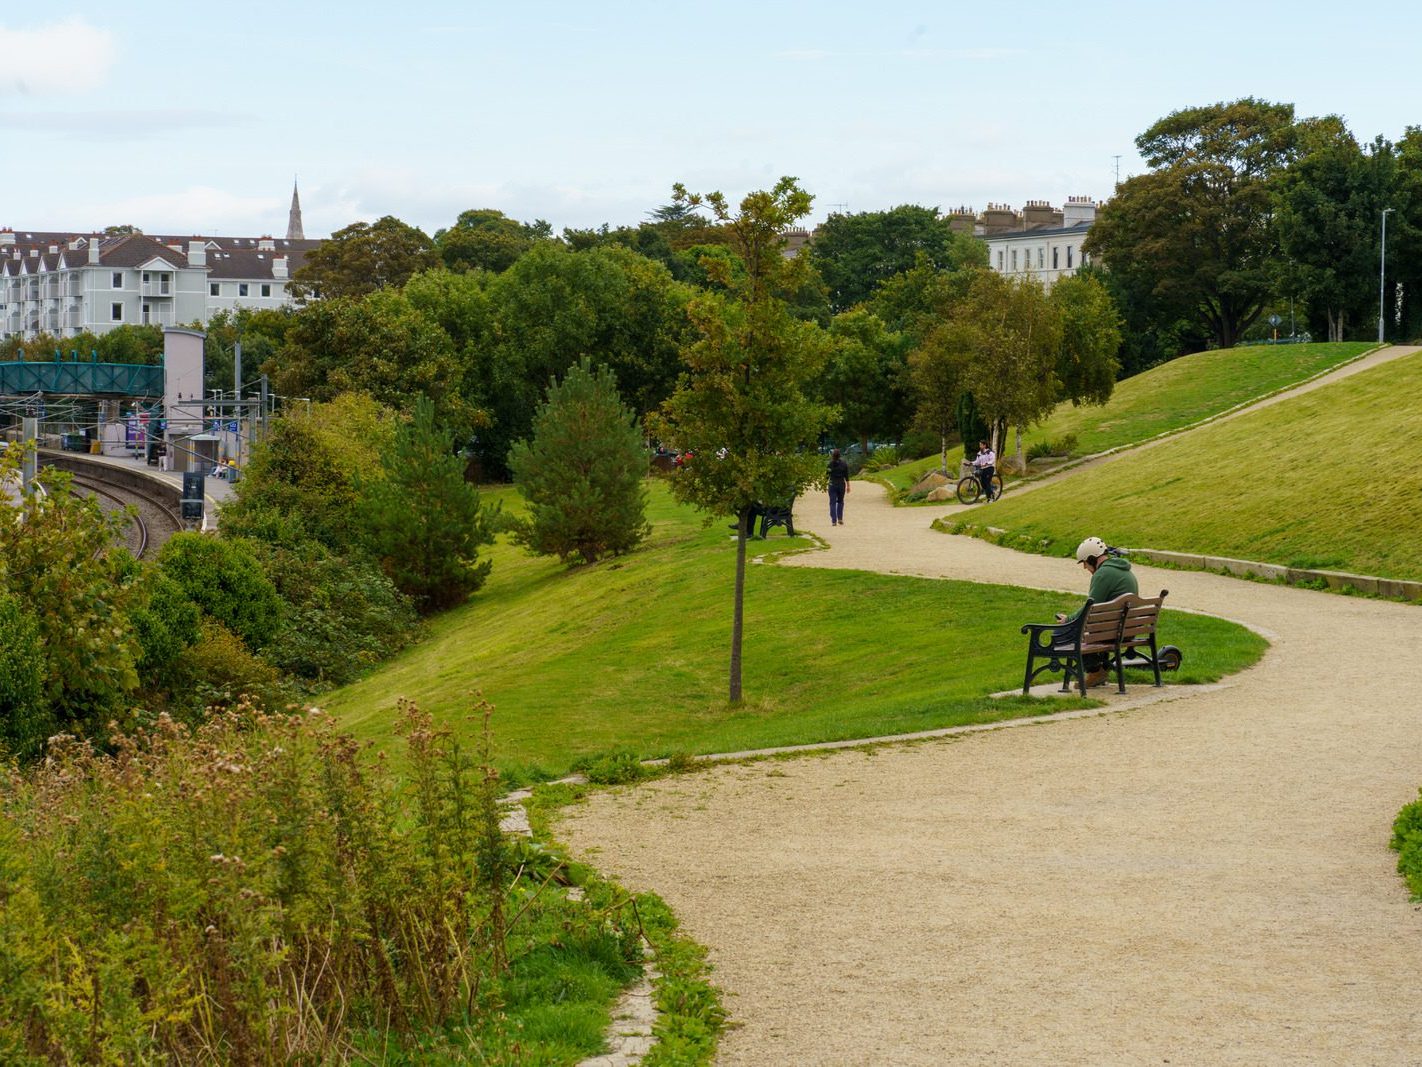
153	521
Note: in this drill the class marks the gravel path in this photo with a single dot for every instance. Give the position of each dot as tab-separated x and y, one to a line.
1204	880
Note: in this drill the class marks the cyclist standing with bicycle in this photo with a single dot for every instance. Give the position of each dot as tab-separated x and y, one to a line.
985	466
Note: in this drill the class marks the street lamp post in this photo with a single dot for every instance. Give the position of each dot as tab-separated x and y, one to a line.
1382	275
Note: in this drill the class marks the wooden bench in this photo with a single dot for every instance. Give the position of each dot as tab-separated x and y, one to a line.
1121	630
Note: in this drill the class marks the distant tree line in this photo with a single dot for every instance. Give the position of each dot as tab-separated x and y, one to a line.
1249	212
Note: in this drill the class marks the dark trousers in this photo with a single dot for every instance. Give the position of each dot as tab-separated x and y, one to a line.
985	480
836	493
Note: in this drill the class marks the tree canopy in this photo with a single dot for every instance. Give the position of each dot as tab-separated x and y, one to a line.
855	254
1198	226
487	240
364	257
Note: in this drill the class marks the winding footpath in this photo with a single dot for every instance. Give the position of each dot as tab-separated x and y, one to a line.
1204	880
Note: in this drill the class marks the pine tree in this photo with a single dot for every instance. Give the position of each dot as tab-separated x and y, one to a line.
582	472
422	520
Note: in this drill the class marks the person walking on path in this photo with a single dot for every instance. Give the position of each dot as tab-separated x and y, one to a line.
1110	577
838	475
985	466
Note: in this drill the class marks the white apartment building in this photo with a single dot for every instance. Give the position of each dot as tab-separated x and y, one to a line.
1041	242
64	284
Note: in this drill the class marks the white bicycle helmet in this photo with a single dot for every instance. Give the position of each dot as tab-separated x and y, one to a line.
1092	546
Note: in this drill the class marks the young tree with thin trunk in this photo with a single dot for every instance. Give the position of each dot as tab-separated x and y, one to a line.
740	408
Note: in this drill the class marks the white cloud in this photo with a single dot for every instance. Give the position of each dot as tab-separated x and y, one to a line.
60	57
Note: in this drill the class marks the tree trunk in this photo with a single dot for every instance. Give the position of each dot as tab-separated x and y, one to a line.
1021	461
943	441
738	618
864	445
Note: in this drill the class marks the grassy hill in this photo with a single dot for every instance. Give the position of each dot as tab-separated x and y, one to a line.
1188	389
1325	480
1169	397
631	654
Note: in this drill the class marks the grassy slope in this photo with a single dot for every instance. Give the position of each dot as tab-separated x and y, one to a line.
1188	389
1325	480
631	654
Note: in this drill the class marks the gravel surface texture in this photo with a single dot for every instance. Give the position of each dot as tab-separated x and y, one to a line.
1202	880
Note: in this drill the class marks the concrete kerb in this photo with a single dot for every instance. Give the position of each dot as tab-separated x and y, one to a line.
1394	588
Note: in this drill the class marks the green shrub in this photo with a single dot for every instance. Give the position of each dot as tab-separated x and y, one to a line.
165	622
582	472
882	458
25	720
1064	446
65	556
918	443
222	576
219	670
1407	843
613	768
343	615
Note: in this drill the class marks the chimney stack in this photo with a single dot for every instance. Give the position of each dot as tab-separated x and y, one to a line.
197	254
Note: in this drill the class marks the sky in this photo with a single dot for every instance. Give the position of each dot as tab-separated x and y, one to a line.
197	118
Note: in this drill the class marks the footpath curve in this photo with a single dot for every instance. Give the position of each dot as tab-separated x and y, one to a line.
1204	880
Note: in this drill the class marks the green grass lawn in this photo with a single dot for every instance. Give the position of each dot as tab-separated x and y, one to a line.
1327	480
631	654
1186	390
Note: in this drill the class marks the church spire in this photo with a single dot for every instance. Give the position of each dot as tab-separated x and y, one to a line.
293	221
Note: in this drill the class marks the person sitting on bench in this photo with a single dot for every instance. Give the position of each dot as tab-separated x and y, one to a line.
1110	577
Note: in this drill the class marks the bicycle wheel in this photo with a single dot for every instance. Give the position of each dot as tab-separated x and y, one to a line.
996	486
968	490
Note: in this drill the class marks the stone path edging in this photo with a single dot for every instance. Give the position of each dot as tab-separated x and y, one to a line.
629	1035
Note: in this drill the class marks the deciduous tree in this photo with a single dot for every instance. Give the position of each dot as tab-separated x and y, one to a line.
855	254
1091	338
866	378
741	408
362	258
1198	226
486	239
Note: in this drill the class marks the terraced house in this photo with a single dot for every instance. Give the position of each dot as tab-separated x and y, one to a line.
65	283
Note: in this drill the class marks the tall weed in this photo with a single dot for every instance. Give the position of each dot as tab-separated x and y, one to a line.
257	891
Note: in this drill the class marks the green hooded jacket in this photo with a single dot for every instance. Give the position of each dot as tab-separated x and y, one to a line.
1112	579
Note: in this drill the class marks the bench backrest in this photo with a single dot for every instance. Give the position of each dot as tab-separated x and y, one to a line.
1125	622
1102	625
1140	616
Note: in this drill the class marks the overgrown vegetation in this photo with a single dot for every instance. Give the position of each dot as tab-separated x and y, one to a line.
259	890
